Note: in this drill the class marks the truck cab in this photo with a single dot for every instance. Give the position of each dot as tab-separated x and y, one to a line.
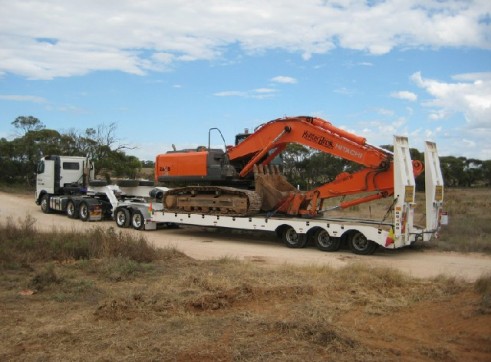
62	175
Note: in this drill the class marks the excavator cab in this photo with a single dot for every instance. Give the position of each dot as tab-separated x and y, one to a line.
198	165
202	165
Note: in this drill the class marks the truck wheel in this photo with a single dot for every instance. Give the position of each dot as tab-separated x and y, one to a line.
122	217
71	210
97	183
325	242
292	239
137	220
83	211
359	244
45	204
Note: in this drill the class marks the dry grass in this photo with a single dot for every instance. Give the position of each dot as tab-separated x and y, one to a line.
111	307
469	228
22	244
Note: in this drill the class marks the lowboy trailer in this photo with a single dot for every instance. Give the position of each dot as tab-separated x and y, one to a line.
362	236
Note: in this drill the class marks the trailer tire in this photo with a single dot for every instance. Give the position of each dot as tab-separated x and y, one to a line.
45	208
292	239
359	244
325	242
71	210
122	217
137	220
83	211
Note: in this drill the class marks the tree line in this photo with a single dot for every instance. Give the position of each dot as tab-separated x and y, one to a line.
19	157
303	166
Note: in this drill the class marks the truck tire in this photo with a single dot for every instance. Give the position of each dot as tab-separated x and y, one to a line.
359	244
83	211
97	183
325	242
137	220
292	239
122	217
45	204
71	210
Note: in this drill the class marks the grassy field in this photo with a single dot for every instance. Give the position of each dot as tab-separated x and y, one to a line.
103	295
469	226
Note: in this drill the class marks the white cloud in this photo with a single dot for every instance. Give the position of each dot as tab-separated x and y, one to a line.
230	94
264	90
22	98
345	91
471	96
52	38
258	93
405	95
385	112
284	79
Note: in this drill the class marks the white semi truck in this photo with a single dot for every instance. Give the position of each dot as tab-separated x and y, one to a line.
66	184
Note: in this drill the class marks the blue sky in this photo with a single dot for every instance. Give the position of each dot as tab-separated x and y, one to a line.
167	71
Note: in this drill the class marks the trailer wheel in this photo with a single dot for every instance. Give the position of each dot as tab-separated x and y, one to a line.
71	210
292	239
325	242
45	204
122	217
83	211
137	220
359	244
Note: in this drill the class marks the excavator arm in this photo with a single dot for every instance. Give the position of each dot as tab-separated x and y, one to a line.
270	139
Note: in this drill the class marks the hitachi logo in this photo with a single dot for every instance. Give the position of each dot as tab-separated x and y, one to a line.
349	151
320	140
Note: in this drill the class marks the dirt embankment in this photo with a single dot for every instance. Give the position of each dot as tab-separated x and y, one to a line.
202	244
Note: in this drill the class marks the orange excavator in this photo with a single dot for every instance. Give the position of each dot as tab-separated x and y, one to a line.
244	180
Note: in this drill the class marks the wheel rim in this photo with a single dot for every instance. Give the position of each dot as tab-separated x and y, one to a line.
137	220
44	204
291	236
121	217
359	242
323	239
84	212
70	209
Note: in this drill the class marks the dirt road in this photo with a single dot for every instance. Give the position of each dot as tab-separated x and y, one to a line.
201	243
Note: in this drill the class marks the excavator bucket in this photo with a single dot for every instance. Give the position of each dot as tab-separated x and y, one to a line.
271	185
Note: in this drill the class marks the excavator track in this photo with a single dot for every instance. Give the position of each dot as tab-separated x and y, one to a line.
213	200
